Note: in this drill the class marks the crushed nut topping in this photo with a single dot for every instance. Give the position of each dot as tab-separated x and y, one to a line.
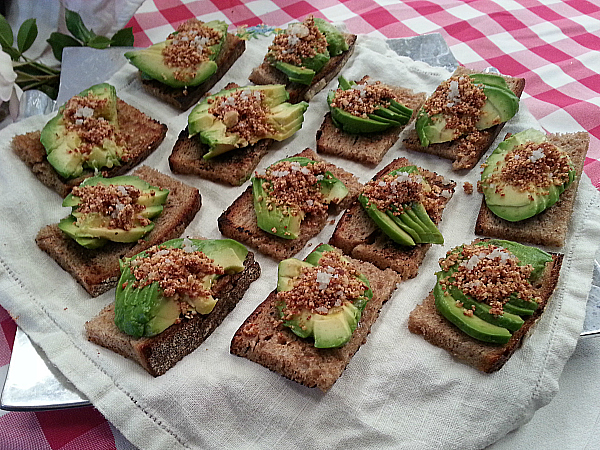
114	206
179	272
490	274
363	98
298	42
190	45
82	115
468	188
244	113
532	165
323	287
392	191
290	184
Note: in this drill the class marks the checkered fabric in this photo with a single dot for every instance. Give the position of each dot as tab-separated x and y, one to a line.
553	44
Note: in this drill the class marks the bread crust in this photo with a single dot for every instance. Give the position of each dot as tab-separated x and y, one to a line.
451	150
97	270
159	353
184	98
263	339
367	148
239	220
268	74
142	135
358	236
436	329
551	225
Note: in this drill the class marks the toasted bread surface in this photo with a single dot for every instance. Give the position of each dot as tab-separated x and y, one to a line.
184	98
358	236
159	353
142	135
436	329
465	152
263	339
268	74
97	270
551	225
367	148
239	220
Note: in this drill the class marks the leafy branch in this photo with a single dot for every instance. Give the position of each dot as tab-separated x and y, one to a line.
35	75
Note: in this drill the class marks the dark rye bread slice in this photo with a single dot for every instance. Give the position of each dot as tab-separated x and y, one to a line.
159	353
97	270
184	98
142	135
464	153
358	236
239	220
263	339
233	167
550	226
365	148
268	74
436	329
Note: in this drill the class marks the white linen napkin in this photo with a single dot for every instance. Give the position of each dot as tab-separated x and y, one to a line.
398	391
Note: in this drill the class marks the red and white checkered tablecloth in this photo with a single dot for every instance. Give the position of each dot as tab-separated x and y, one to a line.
553	44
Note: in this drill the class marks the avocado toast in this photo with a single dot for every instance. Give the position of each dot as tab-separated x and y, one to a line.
207	45
493	100
264	338
548	227
97	269
366	144
156	322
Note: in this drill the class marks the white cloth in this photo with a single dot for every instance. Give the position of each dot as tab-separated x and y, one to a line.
398	391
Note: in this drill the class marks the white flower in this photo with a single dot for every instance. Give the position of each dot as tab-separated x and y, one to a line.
7	77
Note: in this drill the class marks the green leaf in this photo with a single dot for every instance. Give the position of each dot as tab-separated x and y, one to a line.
123	38
12	52
58	41
76	27
26	35
6	33
99	42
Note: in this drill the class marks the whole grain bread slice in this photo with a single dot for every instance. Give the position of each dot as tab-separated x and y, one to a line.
367	148
358	236
142	136
97	270
436	329
268	74
159	353
550	226
239	220
263	339
465	151
184	98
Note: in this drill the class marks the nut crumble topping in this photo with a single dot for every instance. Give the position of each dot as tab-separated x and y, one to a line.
363	98
490	274
298	42
323	287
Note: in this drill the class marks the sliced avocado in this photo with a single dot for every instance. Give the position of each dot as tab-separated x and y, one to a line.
150	61
501	105
330	330
285	118
62	145
512	203
386	223
302	75
336	43
96	229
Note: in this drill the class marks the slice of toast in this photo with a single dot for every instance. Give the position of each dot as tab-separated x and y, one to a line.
436	329
97	270
365	148
142	135
268	74
159	353
184	98
263	339
358	236
233	167
550	226
464	154
239	220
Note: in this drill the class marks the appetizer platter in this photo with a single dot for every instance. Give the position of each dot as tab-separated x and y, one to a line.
400	354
